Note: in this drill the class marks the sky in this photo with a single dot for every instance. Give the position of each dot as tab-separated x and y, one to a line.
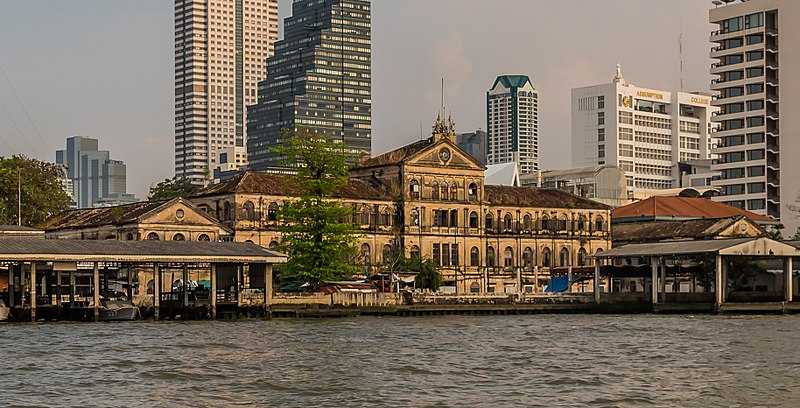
104	69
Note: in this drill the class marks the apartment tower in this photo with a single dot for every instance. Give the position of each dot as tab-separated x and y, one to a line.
645	132
756	61
319	81
512	117
220	50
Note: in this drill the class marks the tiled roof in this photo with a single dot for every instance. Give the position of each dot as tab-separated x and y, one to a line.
89	217
17	228
653	231
538	197
398	155
282	185
681	208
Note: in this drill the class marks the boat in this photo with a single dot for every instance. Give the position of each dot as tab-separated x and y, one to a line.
4	311
118	311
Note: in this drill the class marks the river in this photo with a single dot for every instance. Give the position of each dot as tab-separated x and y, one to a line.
535	360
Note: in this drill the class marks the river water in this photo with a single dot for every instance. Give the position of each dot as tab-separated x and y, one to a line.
539	360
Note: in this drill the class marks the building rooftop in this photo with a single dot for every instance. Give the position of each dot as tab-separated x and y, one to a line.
504	174
396	156
652	231
538	197
115	215
681	208
251	182
510	81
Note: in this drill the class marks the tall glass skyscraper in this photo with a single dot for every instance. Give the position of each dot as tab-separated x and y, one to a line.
319	81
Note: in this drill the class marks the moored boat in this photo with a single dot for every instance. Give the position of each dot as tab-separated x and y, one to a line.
118	310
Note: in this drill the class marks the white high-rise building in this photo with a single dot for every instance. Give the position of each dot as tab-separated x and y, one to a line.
221	47
512	114
645	132
755	46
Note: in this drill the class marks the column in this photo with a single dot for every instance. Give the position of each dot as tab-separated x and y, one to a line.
535	279
719	282
130	282
788	277
485	280
156	290
11	287
519	280
569	279
663	267
654	278
238	287
33	291
71	289
267	290
213	295
185	279
597	282
96	291
58	289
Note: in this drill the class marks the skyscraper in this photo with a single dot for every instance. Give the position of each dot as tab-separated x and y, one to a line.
220	49
512	115
319	81
473	143
645	132
758	91
93	176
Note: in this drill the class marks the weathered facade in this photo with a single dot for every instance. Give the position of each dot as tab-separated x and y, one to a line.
429	199
172	220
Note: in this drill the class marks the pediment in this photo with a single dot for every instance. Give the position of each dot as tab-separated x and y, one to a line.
177	212
444	154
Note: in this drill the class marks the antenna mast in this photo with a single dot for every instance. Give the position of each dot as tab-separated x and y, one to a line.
680	51
19	197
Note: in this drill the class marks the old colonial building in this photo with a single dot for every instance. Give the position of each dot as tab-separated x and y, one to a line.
173	220
429	199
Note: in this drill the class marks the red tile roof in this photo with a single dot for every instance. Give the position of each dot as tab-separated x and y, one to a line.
681	208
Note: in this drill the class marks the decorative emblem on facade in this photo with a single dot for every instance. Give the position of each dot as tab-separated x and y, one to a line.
444	155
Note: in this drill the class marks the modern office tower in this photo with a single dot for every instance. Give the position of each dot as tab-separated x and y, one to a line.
758	91
319	81
473	143
512	115
220	49
92	174
644	132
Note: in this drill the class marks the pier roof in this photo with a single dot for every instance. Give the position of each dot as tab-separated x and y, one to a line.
760	247
68	250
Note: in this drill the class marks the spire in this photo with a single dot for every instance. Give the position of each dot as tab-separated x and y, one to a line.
444	128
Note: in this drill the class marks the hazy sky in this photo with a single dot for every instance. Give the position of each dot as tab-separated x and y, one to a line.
104	69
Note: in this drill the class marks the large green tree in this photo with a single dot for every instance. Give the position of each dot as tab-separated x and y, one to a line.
42	195
320	242
171	188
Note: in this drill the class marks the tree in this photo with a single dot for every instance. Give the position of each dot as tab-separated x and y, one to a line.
796	236
42	195
171	188
775	231
428	275
320	242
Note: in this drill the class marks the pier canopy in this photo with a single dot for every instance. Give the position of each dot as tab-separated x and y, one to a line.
68	250
753	247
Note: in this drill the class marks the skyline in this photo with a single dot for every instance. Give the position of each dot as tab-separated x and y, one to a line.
133	117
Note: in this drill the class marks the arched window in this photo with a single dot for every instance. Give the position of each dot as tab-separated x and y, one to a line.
226	211
563	257
415	217
387	254
178	237
490	256
434	191
581	257
249	211
581	223
415	252
129	237
563	221
508	257
454	192
546	223
413	189
153	236
474	257
365	255
445	190
272	212
489	221
599	223
364	216
473	220
546	258
472	192
526	222
475	287
249	241
508	222
203	237
386	218
273	245
527	257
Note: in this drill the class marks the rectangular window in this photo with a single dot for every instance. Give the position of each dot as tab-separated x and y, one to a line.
753	138
601	102
445	254
735	140
755	121
601	135
755	154
755	171
754	20
755	72
454	255
733	189
732	75
601	151
756	104
756	204
601	118
732	108
732	59
731	25
626	134
437	255
755	39
753	188
755	88
733	92
755	55
732	157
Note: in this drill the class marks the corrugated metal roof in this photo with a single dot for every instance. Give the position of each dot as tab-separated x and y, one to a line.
681	208
135	251
735	246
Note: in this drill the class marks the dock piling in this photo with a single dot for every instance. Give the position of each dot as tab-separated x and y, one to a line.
33	291
156	290
96	290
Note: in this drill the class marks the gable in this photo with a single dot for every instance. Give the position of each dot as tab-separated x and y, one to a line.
443	153
742	228
178	212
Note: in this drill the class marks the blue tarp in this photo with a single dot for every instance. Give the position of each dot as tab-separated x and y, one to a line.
557	284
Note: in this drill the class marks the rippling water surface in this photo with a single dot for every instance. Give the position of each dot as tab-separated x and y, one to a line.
548	360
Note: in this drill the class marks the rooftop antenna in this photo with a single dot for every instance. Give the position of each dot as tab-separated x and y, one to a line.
19	197
442	107
680	52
